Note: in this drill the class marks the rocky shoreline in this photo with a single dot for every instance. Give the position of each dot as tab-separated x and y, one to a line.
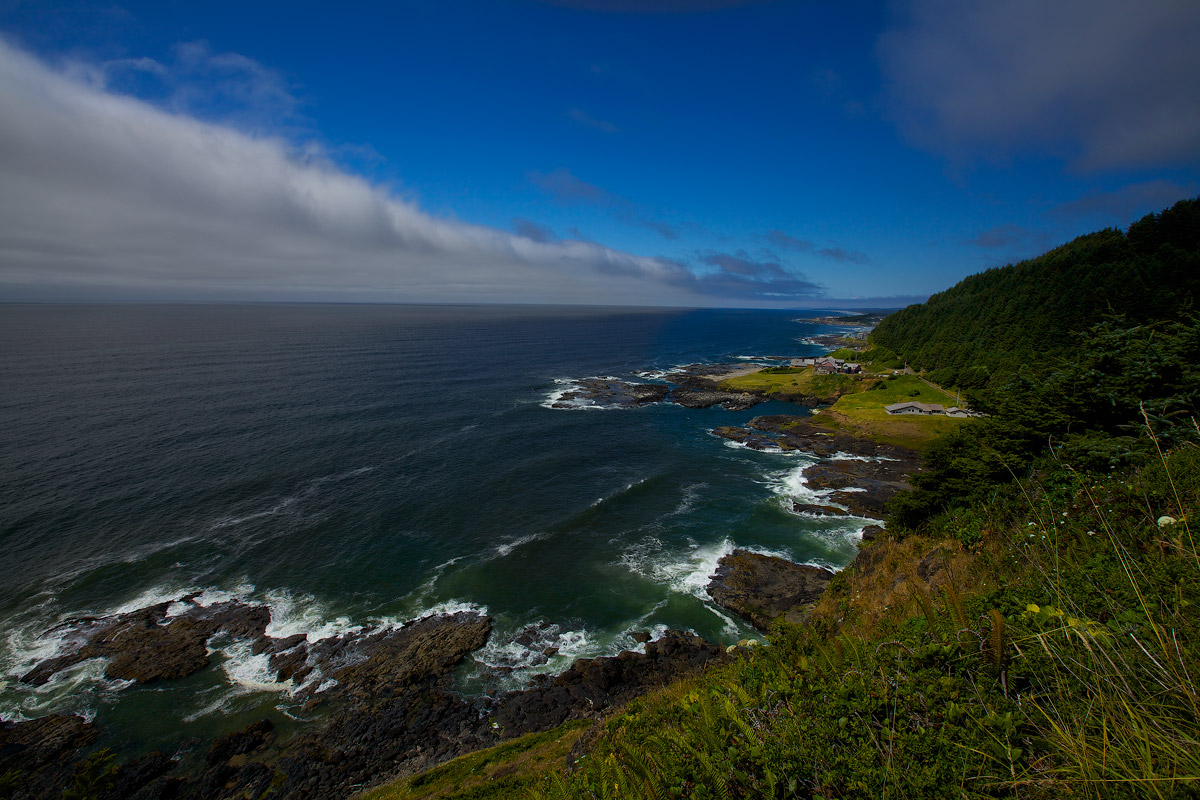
384	698
382	701
856	478
693	386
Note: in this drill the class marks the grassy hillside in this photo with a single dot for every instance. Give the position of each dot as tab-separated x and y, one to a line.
862	413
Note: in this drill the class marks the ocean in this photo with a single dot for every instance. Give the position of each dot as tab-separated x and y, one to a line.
358	466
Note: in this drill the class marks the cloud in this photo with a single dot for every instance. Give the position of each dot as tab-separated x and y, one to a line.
844	256
833	252
1128	203
218	87
740	275
587	120
103	196
106	196
788	242
563	186
533	230
1106	84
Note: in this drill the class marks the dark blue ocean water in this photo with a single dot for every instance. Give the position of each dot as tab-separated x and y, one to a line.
359	466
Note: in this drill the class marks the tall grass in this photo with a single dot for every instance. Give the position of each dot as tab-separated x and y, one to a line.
1117	703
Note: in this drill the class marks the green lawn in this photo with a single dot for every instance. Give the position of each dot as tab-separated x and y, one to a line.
863	413
792	381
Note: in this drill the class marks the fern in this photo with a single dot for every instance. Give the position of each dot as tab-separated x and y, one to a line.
996	640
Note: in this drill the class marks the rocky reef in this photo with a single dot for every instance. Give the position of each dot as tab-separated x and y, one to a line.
381	703
859	475
694	386
761	589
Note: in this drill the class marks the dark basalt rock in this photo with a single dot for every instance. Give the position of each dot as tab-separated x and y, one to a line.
872	532
145	778
612	393
761	589
730	401
873	481
592	685
393	711
43	752
819	510
145	646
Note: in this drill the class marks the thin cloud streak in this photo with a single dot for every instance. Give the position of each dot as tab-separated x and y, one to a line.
587	120
566	188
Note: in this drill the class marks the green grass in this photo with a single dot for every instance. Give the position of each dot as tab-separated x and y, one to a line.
793	381
506	770
863	413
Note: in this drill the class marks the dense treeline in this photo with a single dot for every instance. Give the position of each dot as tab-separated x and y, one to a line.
989	326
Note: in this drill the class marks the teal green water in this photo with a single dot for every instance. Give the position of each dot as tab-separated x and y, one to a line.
360	466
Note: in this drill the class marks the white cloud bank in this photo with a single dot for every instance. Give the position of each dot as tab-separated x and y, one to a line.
103	196
1107	84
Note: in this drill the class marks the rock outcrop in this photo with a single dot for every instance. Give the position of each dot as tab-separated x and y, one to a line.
762	589
611	393
146	645
42	752
861	475
707	398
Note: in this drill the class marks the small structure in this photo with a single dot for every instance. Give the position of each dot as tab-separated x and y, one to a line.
828	366
915	408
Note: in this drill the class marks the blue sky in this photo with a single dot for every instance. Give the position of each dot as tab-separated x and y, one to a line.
699	153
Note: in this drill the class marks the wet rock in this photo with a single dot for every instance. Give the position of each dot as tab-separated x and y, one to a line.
641	637
860	474
291	664
612	393
43	752
393	713
872	532
144	778
730	401
145	645
819	510
592	685
761	589
247	740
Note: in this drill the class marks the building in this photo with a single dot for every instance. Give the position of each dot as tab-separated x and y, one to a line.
915	408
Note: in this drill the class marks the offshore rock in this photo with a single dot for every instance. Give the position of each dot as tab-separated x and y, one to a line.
761	589
145	645
730	401
612	394
593	685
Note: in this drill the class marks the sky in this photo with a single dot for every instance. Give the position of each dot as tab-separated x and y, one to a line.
735	153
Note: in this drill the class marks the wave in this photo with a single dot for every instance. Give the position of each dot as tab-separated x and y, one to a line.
504	548
82	687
